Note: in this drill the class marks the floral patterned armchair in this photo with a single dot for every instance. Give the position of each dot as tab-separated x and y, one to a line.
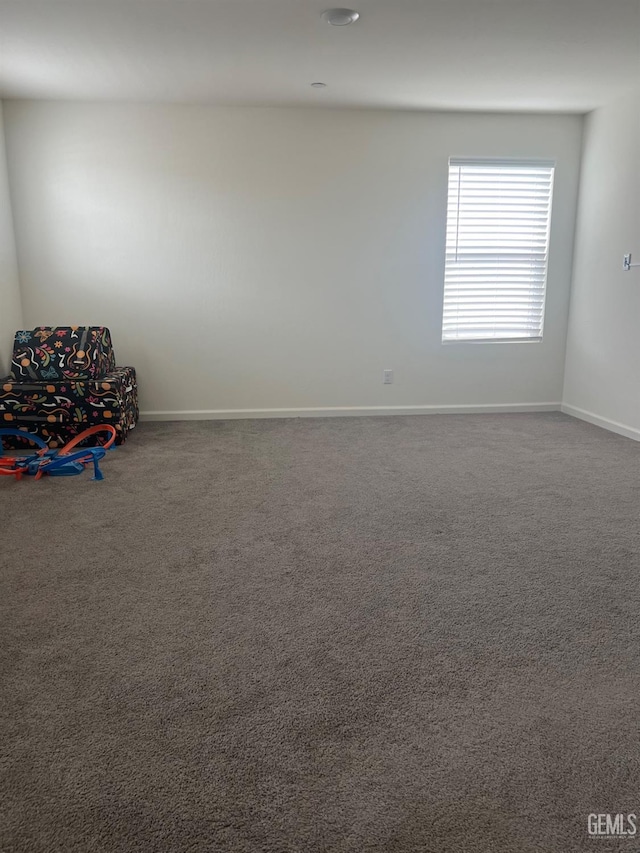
64	379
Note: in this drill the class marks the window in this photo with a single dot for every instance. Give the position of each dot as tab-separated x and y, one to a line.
498	218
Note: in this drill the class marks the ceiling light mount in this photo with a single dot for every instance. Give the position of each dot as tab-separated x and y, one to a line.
340	17
318	85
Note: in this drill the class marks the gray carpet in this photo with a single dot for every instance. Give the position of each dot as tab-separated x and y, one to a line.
342	635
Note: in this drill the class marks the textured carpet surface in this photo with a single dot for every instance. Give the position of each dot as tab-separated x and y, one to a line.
344	635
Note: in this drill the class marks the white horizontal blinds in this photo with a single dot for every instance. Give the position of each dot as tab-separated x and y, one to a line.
498	220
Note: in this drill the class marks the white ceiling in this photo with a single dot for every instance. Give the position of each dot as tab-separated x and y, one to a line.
559	55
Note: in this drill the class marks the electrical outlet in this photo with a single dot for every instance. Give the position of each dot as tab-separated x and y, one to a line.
387	377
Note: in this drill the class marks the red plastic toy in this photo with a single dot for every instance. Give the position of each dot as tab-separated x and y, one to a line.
57	463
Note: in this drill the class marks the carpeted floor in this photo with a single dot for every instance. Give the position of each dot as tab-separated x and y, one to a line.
400	635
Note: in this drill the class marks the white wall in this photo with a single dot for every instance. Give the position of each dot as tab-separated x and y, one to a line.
10	307
250	258
603	349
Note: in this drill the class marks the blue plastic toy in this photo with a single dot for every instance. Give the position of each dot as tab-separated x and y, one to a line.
56	463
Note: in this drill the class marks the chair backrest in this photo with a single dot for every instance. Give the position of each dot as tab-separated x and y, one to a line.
56	353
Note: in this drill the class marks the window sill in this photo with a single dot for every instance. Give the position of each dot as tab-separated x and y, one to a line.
492	341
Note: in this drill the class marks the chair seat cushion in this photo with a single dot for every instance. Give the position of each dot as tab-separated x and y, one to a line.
111	399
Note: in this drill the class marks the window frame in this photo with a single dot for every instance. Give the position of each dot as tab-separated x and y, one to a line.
495	163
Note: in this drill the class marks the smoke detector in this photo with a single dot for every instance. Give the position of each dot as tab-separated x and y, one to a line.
340	17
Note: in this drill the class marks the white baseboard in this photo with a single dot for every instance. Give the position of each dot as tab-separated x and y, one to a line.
345	411
605	423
